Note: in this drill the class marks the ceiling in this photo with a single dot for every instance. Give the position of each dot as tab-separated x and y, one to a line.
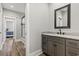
18	7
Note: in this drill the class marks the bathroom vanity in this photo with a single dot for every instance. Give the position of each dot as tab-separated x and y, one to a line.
60	45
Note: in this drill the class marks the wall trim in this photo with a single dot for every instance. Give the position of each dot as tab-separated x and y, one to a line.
36	53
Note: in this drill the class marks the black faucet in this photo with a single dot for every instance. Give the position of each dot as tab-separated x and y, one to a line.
60	31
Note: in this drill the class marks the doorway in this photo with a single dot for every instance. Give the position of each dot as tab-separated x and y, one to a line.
13	33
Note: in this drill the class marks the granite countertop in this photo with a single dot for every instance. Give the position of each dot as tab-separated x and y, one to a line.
61	35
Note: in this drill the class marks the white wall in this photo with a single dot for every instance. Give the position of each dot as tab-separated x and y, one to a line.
17	17
74	17
38	23
1	32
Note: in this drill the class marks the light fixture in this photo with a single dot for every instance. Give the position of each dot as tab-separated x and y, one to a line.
11	6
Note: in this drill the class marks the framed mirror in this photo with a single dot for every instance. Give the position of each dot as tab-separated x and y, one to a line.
62	17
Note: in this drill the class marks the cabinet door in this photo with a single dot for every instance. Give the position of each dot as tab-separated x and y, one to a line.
44	43
59	49
50	48
72	51
73	43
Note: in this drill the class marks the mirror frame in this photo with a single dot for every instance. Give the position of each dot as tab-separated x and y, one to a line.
68	17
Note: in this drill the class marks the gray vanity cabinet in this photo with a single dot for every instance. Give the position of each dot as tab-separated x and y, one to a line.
44	44
50	46
59	50
72	51
47	45
72	47
60	46
53	46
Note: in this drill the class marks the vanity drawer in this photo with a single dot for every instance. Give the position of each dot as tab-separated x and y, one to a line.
50	38
72	51
59	40
72	43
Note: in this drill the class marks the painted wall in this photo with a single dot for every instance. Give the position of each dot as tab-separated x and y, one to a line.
38	23
74	17
1	39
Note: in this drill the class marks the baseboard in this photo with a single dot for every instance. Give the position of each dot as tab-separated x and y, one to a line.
36	53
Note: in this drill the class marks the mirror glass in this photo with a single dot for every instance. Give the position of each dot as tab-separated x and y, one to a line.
62	17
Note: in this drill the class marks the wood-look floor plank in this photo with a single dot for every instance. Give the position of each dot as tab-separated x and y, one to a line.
13	48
